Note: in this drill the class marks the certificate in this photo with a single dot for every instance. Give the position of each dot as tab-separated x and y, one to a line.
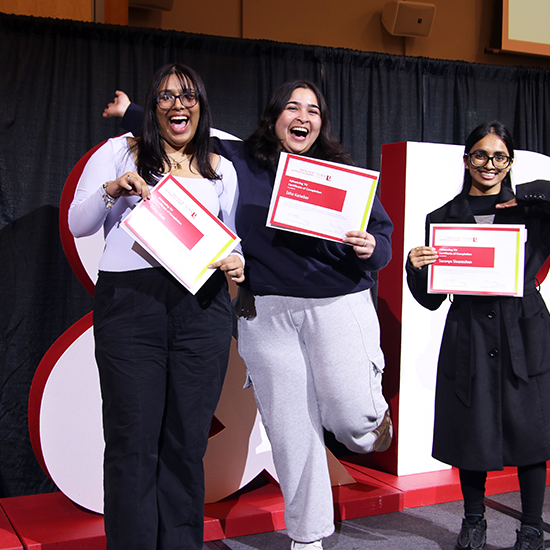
320	198
180	233
477	259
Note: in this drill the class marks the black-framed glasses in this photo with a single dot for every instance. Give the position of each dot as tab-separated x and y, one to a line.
479	159
188	98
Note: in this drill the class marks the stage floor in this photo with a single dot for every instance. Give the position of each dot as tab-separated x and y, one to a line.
51	520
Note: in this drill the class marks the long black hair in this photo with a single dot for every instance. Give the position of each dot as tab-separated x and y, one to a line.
151	157
477	134
264	144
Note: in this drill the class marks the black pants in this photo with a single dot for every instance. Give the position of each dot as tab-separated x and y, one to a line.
162	355
532	482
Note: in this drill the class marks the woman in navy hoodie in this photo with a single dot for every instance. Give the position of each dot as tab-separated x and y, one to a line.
308	329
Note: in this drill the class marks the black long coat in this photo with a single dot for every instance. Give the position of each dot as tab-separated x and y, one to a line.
492	405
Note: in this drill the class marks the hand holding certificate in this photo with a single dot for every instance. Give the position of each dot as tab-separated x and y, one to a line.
320	198
477	259
180	233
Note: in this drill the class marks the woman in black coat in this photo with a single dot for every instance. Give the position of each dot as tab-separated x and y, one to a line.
492	406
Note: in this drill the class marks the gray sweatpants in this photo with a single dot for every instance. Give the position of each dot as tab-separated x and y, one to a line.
313	362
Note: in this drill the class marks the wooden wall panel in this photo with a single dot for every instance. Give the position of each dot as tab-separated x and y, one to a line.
114	11
79	10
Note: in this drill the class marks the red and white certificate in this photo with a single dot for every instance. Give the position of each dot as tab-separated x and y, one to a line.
180	233
320	198
477	259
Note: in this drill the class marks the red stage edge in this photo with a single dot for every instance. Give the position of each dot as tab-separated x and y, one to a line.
8	539
51	520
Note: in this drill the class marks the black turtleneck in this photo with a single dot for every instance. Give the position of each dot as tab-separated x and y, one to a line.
483	207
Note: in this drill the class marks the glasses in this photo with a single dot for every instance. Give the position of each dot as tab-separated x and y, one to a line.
479	159
188	98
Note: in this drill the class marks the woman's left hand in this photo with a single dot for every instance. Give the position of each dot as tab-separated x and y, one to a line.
232	265
363	243
509	204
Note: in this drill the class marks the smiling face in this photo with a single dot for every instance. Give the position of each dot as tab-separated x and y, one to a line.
299	125
486	180
177	126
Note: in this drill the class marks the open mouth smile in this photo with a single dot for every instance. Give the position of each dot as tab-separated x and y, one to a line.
179	122
300	132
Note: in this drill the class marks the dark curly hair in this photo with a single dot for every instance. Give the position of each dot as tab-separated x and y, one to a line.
151	157
265	146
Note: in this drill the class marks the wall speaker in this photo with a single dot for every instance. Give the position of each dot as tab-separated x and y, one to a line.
403	18
152	4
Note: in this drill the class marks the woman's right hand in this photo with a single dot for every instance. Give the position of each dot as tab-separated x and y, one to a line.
422	255
118	106
128	185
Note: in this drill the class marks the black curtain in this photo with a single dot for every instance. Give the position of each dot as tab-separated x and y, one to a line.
56	78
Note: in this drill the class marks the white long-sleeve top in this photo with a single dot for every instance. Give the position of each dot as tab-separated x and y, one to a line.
88	212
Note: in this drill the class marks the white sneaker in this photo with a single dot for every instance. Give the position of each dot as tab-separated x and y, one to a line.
384	433
317	545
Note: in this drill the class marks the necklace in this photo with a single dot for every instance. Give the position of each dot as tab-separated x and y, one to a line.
177	164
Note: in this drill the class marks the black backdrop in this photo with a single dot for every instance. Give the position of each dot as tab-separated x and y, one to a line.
57	76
